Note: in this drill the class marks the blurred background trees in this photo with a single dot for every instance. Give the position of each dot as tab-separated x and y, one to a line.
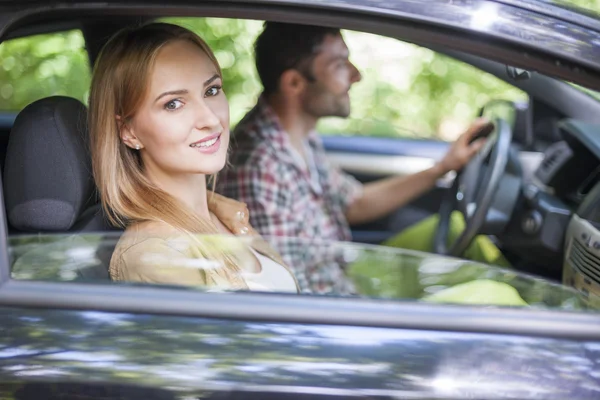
406	90
43	65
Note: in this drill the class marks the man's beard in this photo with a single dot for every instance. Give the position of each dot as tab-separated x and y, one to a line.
320	103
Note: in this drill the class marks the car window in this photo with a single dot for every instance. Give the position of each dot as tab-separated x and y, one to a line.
45	65
53	64
372	271
406	91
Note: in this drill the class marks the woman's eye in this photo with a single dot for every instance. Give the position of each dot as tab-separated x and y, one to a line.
213	91
173	105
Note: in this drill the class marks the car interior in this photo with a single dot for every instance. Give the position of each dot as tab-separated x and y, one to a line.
554	152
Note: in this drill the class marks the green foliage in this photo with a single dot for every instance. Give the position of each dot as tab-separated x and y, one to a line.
406	91
44	65
591	5
411	91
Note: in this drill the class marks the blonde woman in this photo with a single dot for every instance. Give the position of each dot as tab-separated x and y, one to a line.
159	126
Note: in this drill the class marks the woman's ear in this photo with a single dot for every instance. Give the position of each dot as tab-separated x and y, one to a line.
127	135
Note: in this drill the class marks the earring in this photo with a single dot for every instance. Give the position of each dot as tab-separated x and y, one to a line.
137	146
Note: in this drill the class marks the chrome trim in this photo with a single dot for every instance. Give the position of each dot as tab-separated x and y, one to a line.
282	308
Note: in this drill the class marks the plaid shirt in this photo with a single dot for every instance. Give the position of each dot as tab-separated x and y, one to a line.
288	200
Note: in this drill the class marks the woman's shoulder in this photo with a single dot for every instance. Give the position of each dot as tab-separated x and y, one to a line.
144	234
145	247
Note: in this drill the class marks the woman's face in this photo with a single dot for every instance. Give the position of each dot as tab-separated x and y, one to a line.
182	125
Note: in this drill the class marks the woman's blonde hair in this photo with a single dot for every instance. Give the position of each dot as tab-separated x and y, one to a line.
119	85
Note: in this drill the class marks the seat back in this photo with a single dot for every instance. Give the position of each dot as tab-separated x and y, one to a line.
48	182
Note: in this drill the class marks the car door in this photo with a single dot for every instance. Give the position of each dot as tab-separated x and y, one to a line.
411	104
63	337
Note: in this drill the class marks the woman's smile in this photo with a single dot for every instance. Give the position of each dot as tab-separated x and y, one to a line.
208	145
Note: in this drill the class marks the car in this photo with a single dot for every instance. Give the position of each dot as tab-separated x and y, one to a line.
530	332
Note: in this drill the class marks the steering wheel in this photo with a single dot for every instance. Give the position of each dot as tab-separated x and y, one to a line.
484	192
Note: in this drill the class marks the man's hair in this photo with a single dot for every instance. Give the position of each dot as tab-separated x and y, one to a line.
282	46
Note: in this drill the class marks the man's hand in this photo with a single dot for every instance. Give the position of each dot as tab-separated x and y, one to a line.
466	146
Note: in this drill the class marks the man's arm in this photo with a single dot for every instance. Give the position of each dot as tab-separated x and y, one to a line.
384	196
381	197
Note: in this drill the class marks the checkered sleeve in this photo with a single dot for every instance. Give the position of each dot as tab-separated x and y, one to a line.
344	187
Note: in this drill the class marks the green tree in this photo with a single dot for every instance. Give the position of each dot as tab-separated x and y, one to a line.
407	90
43	65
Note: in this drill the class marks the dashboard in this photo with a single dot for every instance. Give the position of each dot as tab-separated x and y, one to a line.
571	167
581	267
560	208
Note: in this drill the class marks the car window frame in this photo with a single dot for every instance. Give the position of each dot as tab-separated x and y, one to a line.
292	308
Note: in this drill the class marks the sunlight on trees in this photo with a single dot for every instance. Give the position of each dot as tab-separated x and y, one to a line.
406	91
44	65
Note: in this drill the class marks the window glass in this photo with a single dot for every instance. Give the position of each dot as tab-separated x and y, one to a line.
372	271
406	91
53	64
39	66
410	91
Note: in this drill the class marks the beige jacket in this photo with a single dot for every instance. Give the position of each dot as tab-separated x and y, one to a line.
169	257
155	252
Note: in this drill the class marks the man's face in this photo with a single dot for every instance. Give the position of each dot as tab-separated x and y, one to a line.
334	74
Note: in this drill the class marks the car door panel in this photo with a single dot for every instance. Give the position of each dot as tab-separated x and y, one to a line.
372	158
69	354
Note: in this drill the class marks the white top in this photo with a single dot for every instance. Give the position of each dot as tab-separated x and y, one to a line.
273	277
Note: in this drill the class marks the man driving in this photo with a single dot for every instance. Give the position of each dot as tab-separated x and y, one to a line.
279	168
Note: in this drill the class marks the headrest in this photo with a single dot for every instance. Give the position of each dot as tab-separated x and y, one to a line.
48	176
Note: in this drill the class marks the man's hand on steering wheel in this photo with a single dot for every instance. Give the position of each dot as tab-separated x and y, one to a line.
466	146
481	174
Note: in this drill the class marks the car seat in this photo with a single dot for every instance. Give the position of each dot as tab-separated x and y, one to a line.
48	182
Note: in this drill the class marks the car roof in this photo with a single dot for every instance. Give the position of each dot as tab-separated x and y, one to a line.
568	10
567	42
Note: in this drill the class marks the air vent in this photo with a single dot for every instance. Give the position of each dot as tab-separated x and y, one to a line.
584	261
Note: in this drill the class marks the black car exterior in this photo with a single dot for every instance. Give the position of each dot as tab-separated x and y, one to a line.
88	341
